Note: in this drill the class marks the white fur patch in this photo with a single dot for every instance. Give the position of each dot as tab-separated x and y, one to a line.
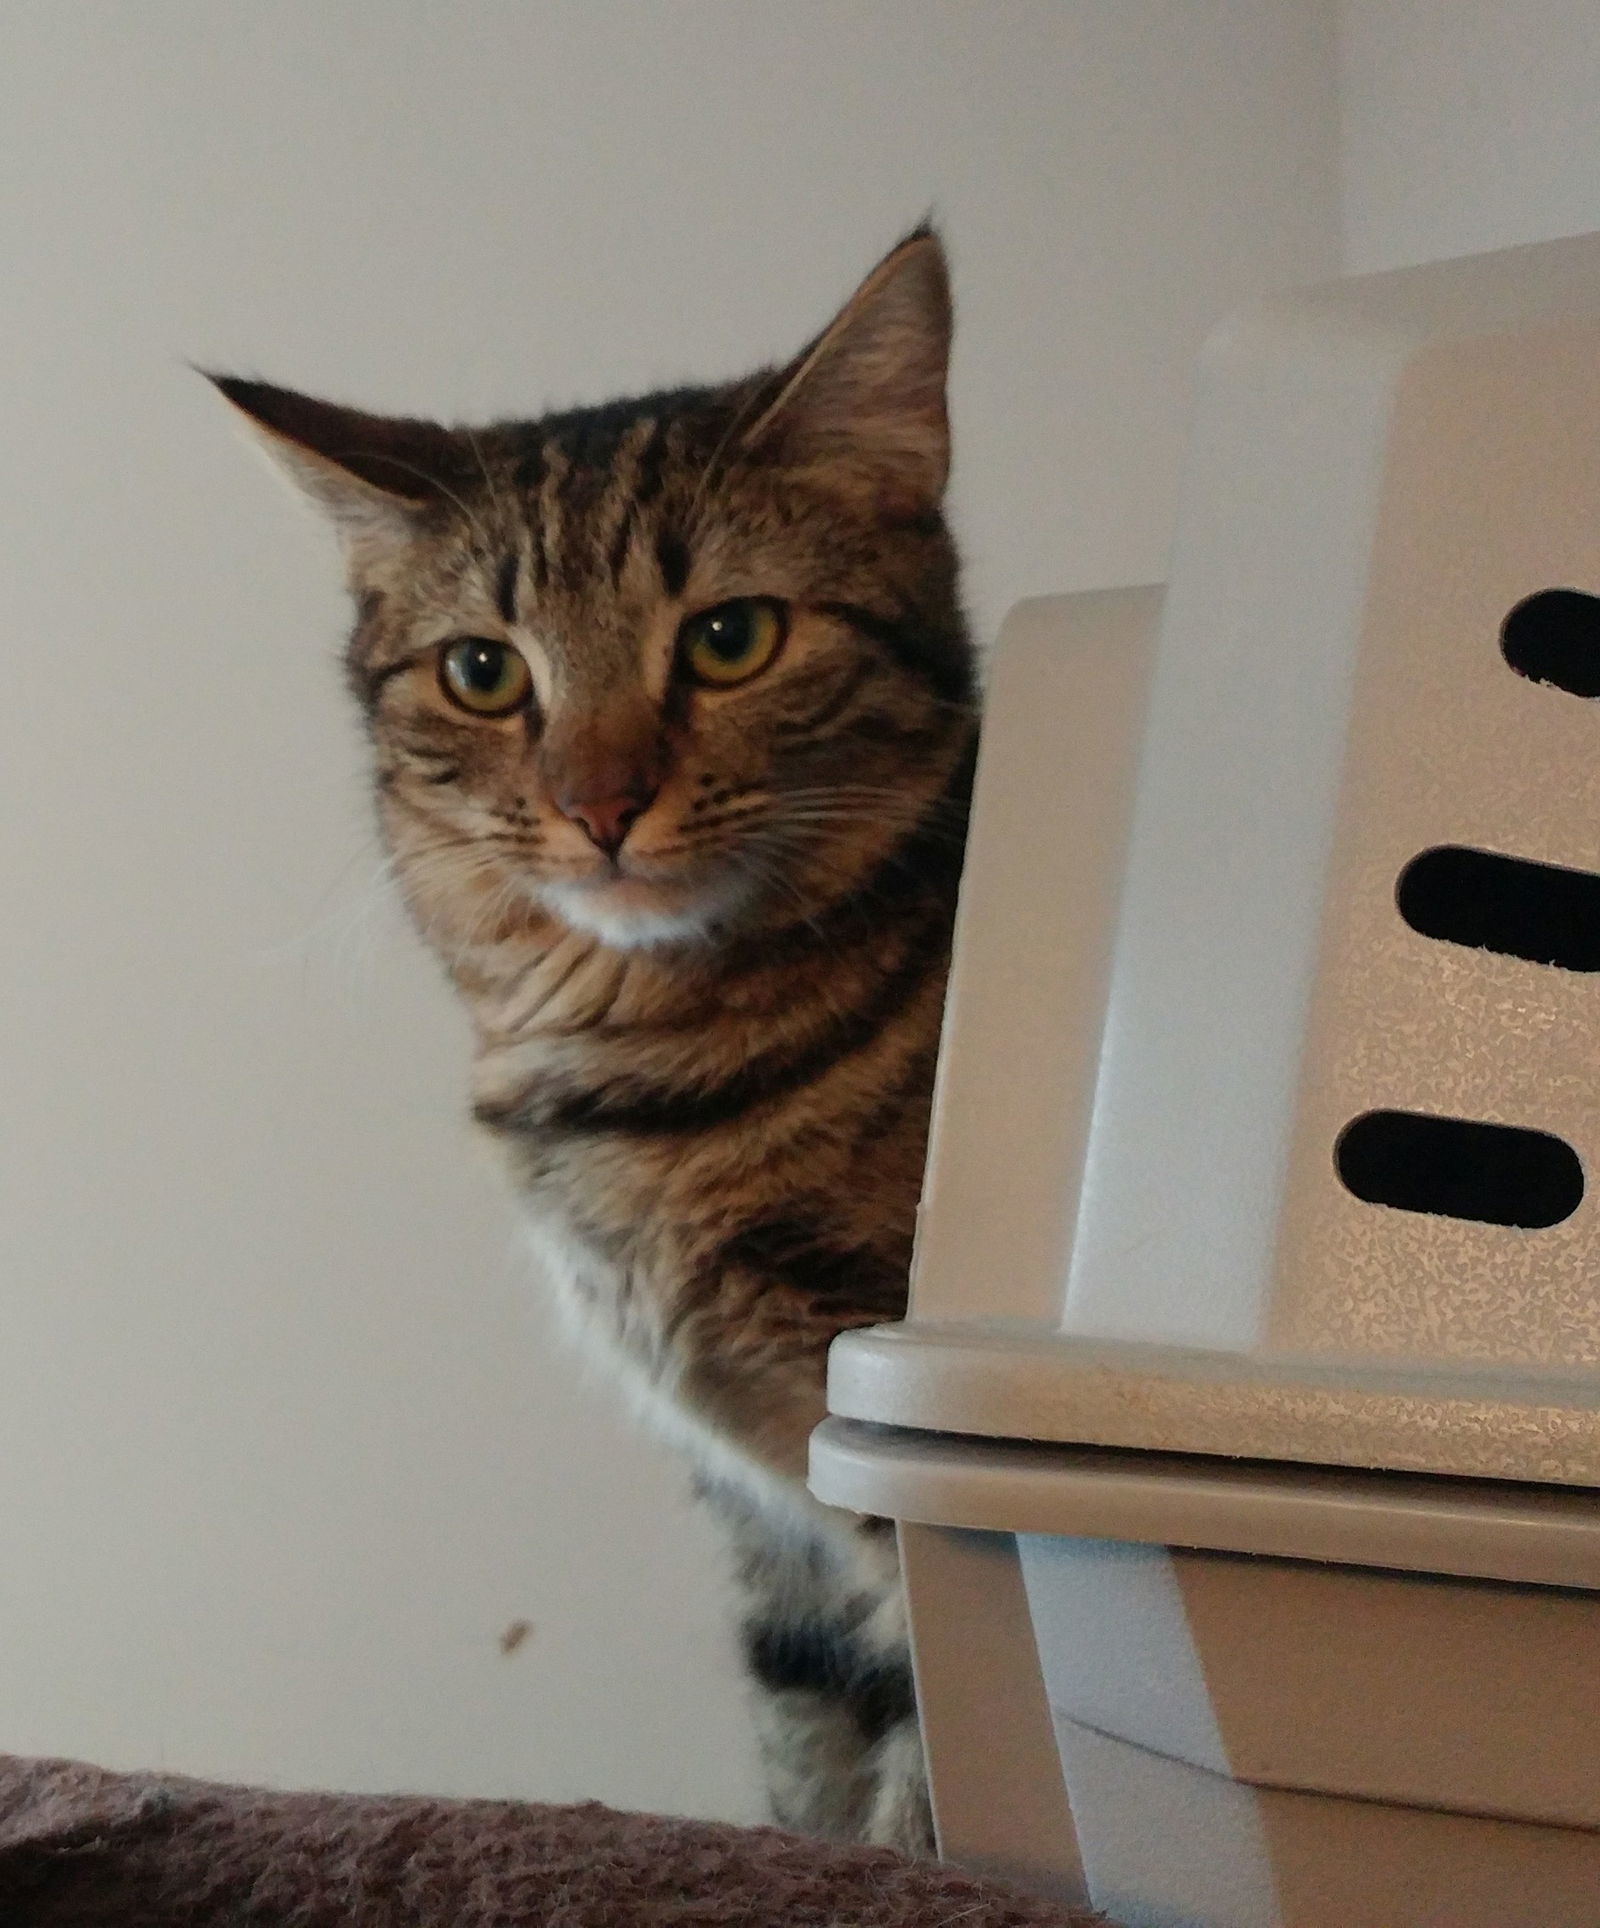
630	915
585	1291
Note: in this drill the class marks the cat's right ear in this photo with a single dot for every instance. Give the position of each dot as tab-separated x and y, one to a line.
374	476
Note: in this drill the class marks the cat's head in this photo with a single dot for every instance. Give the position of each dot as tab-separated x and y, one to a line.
667	668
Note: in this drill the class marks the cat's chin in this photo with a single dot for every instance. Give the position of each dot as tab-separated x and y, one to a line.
631	913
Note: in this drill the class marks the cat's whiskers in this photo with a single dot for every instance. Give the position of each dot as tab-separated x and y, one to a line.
758	864
809	823
379	896
488	916
338	914
461	868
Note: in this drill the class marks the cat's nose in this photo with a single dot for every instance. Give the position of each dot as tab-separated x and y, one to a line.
605	821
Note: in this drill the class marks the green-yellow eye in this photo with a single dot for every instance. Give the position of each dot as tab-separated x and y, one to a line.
732	642
486	677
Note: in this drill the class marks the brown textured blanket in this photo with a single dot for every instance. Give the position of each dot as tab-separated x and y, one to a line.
82	1848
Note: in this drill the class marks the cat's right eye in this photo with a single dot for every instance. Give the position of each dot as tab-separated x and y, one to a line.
488	678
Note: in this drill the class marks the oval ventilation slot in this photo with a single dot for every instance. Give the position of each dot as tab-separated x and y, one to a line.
1541	912
1494	1174
1554	637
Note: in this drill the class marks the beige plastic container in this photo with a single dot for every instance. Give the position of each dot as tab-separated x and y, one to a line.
1244	1427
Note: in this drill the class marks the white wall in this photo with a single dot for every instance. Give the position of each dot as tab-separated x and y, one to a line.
282	1447
1466	125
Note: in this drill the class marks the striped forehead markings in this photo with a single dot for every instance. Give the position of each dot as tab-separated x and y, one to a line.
554	468
630	487
505	588
672	558
596	486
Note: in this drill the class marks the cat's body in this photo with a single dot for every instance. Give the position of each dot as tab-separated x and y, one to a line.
673	717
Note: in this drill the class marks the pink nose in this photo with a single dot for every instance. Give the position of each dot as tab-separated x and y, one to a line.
606	821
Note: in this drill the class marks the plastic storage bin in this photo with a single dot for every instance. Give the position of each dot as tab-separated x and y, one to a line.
1243	1428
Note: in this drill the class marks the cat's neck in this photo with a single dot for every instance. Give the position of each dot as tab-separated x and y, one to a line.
546	979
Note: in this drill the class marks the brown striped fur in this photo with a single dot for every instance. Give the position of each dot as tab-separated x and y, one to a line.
706	1055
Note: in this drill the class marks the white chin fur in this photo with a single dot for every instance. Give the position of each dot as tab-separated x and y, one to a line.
621	915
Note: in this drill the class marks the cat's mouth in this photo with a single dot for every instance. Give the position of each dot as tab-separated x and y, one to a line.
630	904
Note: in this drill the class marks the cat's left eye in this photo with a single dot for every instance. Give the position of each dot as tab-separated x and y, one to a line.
487	677
733	642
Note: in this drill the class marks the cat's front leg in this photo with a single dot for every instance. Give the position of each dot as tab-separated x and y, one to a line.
837	1724
823	1629
815	1763
898	1813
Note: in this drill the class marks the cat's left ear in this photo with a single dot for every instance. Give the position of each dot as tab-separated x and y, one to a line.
375	476
867	397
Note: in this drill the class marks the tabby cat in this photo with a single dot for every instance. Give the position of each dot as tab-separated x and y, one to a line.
673	717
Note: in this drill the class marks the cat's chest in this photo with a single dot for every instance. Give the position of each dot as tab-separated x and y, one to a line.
596	1286
616	1317
608	1252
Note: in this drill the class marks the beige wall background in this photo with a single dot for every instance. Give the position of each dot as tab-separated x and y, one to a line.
286	1444
1466	125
